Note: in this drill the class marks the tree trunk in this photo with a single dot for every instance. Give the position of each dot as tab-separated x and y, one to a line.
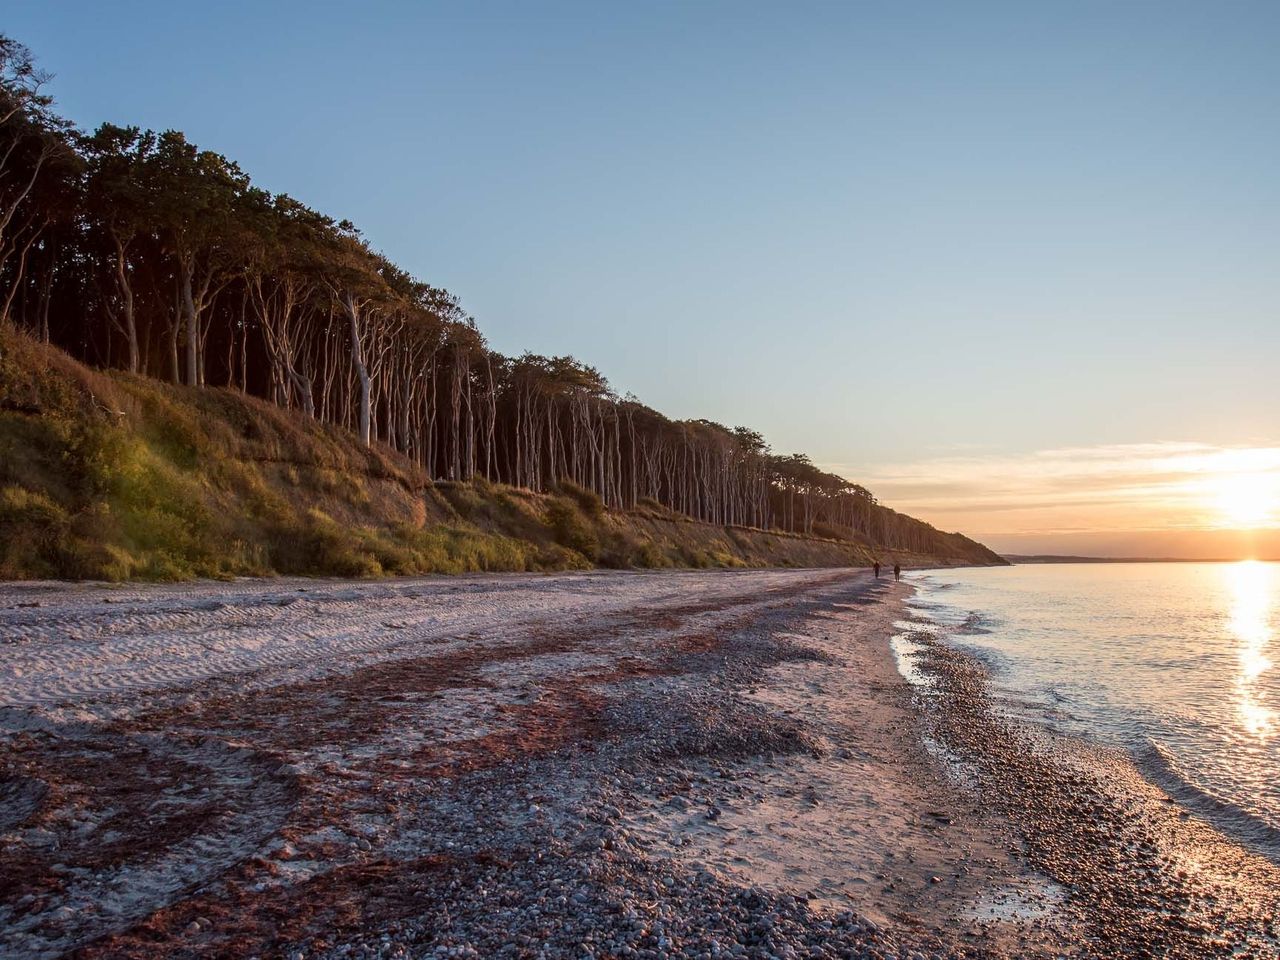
125	288
358	364
190	322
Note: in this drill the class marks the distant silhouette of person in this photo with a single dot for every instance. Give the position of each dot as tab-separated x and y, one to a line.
876	567
897	571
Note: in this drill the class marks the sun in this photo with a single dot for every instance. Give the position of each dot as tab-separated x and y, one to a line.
1246	501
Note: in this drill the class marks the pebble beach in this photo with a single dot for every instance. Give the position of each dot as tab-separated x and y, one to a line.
694	764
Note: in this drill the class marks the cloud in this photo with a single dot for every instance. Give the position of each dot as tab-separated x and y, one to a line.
1105	489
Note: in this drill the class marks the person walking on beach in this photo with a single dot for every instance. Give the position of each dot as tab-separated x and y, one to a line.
876	567
897	570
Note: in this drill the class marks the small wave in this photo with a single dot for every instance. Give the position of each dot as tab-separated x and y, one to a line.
1046	711
941	613
974	624
996	661
1160	766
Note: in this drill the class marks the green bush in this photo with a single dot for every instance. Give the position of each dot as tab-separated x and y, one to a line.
570	529
315	544
651	557
588	501
33	533
694	557
463	498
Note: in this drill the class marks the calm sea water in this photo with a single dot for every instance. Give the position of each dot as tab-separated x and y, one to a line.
1172	662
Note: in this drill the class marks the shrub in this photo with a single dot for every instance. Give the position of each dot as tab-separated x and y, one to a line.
315	544
694	557
588	501
552	556
570	529
634	552
33	533
829	532
464	499
651	557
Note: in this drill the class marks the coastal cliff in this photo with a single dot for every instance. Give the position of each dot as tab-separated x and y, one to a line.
107	475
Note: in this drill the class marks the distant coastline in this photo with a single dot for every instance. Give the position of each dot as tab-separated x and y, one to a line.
1016	558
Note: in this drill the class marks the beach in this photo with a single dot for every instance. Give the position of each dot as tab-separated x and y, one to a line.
699	763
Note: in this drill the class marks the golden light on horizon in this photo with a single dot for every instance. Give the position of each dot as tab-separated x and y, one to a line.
1184	499
1245	501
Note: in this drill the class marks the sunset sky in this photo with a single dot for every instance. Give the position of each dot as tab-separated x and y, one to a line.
1155	499
1011	265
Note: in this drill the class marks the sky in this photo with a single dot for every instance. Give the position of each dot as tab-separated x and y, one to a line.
1011	265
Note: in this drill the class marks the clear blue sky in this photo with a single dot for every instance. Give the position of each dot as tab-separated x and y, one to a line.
876	232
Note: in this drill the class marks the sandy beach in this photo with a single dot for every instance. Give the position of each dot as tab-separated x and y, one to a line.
702	764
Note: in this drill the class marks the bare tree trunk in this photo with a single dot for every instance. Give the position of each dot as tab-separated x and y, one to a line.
127	319
189	322
358	364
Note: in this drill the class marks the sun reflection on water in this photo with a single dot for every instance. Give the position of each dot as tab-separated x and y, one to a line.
1250	623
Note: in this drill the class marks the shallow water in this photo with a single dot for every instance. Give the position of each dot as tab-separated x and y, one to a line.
1171	662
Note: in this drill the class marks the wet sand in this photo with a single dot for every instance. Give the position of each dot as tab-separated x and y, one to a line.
713	764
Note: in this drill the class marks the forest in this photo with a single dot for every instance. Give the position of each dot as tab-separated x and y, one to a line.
139	251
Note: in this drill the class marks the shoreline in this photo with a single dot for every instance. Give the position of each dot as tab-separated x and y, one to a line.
1144	875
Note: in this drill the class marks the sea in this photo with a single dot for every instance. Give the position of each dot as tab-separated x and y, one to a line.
1173	663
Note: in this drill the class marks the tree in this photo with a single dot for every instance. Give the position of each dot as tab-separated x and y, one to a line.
196	197
283	264
117	206
356	285
38	165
